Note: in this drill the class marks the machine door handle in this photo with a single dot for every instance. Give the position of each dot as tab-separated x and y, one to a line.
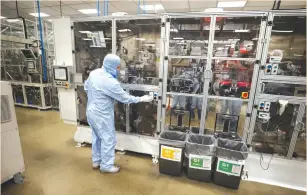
262	86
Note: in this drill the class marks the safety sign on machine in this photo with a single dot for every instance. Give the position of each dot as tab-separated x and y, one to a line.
171	153
200	162
229	167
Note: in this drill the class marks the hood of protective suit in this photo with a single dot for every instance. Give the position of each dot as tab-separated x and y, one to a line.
110	64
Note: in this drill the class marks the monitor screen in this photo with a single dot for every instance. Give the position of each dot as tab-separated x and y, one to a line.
31	65
28	54
60	74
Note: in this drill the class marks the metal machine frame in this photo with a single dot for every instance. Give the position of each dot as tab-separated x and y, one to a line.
126	140
262	78
148	144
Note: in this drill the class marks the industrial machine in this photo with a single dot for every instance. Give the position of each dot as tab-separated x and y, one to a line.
12	162
22	64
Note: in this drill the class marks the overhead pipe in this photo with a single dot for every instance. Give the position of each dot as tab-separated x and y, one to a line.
139	2
98	8
42	43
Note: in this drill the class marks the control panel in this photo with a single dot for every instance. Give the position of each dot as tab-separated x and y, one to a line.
264	106
154	95
62	76
271	69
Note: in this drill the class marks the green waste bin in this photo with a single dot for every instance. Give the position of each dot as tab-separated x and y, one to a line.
230	162
171	152
200	154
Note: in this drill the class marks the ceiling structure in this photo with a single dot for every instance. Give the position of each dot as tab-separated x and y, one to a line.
70	8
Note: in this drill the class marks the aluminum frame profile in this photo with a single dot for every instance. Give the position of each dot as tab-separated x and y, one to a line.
161	72
165	69
284	79
252	92
300	114
208	76
248	135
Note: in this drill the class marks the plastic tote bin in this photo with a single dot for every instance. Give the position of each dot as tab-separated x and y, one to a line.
200	152
171	150
230	161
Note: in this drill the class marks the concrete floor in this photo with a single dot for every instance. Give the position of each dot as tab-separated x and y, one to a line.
55	167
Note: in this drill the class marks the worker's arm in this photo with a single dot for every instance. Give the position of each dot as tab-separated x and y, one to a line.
116	92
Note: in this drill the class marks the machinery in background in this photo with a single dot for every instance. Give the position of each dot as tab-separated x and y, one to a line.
12	162
21	64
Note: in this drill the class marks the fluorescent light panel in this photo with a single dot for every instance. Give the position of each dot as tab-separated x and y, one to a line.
283	31
41	14
124	30
85	31
174	30
1	17
231	3
242	31
155	7
140	39
13	20
178	38
87	39
88	11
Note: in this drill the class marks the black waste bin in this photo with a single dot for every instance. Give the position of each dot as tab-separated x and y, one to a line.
171	150
200	154
229	163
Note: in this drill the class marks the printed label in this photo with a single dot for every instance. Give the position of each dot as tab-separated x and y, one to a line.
200	162
170	153
229	167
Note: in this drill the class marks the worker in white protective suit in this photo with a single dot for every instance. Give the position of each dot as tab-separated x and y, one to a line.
102	89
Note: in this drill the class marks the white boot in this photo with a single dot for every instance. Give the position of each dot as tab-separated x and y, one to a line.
113	169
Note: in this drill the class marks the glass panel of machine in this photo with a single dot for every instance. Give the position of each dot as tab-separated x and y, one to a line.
225	115
236	36
231	78
287	49
189	37
300	147
186	75
143	115
183	113
93	41
284	89
138	45
273	130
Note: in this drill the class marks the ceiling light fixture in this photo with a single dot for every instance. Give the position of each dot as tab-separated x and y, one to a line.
178	38
139	39
124	30
13	20
174	30
87	39
155	7
85	31
255	39
242	31
88	11
41	14
1	17
283	31
231	3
